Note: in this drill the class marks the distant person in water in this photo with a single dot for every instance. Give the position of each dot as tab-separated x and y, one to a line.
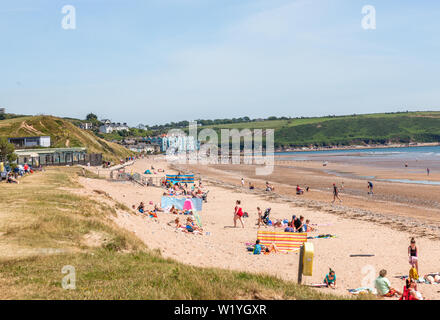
335	193
370	187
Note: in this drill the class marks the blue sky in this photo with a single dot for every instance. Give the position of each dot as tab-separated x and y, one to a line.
155	61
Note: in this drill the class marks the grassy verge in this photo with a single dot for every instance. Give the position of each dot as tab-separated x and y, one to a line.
44	227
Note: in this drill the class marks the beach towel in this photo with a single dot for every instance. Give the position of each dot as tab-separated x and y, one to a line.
198	220
168	202
284	241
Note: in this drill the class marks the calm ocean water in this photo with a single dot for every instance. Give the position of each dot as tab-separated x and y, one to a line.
417	160
430	153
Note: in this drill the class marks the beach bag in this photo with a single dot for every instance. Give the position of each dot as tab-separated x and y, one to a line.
413	274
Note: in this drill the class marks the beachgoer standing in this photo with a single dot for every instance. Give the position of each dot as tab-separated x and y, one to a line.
242	182
260	217
413	255
427	171
238	214
335	193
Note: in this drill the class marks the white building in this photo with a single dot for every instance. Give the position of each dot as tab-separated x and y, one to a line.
26	142
110	127
2	110
86	125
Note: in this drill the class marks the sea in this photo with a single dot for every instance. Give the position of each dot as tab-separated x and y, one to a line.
413	159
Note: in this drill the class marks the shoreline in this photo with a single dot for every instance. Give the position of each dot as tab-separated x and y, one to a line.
360	147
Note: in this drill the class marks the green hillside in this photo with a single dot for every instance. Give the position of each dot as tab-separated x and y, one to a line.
63	134
378	128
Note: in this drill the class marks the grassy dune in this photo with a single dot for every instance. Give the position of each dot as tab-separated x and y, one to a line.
44	226
63	134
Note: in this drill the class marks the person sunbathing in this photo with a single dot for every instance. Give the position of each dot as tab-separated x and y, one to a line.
173	210
278	224
177	222
271	249
157	209
432	278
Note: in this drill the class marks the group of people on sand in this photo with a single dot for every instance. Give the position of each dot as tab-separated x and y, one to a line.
189	227
410	290
384	289
152	213
17	172
296	224
178	189
259	248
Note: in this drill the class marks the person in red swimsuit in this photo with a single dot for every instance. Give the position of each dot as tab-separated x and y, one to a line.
238	214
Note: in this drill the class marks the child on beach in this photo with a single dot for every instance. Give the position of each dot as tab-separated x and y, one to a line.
270	249
257	247
330	279
238	214
307	227
412	254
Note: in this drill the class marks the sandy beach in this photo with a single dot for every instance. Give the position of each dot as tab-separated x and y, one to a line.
380	227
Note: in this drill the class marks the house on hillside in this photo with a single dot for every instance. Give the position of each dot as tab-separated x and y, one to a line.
2	110
110	127
27	142
86	125
144	147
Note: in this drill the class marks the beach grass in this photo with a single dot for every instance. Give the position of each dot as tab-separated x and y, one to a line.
45	225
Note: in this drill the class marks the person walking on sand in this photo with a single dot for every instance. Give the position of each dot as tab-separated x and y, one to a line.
370	187
238	214
413	255
242	182
335	193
